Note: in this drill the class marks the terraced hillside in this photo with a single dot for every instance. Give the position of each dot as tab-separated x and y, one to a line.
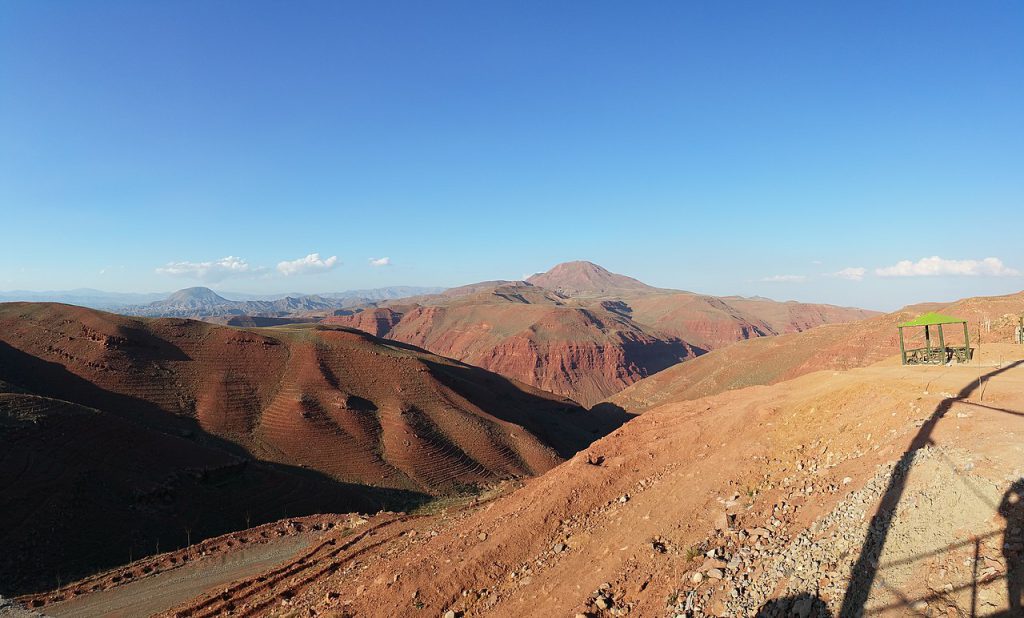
159	425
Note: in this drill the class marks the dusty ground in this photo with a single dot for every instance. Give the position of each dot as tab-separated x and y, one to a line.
901	476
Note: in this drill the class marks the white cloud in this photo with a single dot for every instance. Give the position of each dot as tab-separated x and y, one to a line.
817	262
214	271
935	266
312	263
853	273
785	279
383	261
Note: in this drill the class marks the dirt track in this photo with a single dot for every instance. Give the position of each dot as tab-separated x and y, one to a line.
162	591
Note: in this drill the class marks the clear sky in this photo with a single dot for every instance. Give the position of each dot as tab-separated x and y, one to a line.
720	147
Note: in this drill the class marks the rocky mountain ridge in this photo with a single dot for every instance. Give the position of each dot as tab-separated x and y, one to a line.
581	331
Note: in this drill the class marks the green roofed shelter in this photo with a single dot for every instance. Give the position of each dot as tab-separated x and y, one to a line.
938	355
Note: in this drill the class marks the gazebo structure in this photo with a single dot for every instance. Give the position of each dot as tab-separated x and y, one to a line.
934	355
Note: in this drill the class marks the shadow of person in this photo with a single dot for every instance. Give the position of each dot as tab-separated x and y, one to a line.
1012	509
799	606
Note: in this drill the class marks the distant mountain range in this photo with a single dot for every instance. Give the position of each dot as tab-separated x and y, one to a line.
200	302
192	302
84	297
579	330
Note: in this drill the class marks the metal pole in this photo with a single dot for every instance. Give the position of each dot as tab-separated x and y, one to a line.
927	344
942	345
967	345
903	350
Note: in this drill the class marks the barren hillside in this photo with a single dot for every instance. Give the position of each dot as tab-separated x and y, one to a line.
581	331
534	335
143	422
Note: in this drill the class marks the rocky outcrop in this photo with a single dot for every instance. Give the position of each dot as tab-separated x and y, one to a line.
377	322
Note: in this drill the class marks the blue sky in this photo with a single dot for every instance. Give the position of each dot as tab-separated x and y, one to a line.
751	148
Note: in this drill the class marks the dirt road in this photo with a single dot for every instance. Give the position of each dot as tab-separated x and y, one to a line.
162	591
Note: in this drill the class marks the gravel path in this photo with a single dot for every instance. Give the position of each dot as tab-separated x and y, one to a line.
162	591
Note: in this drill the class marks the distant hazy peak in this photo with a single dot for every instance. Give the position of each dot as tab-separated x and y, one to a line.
196	294
583	276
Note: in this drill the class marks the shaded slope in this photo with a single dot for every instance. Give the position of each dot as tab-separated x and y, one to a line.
86	489
336	400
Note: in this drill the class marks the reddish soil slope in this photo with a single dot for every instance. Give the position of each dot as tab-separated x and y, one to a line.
837	346
712	322
537	336
336	400
142	422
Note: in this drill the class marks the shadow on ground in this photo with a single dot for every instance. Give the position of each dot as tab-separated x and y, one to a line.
799	606
866	568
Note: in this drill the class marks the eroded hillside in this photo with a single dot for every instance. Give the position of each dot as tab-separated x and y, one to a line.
118	434
581	331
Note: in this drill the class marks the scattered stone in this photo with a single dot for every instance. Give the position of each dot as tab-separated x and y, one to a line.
604	602
559	548
712	563
482	536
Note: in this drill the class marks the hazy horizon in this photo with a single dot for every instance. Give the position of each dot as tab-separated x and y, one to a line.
234	294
